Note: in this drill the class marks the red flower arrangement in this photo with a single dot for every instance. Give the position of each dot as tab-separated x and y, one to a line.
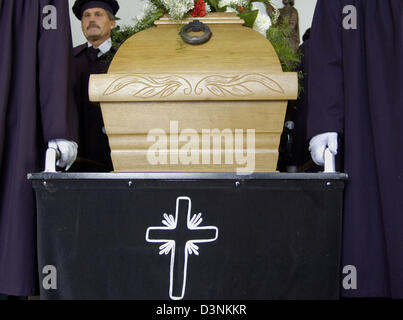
199	9
241	9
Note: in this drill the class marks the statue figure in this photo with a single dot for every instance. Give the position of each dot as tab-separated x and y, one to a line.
290	14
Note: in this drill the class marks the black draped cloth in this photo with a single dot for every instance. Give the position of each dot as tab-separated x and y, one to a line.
36	105
356	89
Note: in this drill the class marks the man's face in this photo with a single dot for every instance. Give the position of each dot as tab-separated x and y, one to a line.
96	24
286	2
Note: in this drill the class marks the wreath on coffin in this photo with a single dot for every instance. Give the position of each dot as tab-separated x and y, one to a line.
252	12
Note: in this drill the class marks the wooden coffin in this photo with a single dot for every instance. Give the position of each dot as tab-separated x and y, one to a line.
169	106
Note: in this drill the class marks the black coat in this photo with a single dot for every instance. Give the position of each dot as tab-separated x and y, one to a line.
356	89
93	150
36	105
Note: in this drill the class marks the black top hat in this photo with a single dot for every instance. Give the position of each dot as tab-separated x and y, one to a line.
81	5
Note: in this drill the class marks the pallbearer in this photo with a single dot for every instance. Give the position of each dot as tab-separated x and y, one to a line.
97	21
355	92
35	108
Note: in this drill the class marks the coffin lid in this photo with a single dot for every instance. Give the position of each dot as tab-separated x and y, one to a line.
237	63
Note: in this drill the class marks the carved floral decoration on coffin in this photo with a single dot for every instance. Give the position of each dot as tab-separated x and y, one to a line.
174	87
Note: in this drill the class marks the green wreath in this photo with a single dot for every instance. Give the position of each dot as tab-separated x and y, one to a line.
277	34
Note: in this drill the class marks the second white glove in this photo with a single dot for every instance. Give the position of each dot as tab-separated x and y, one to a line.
318	145
68	152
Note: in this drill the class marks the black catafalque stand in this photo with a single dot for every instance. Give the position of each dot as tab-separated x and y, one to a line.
189	236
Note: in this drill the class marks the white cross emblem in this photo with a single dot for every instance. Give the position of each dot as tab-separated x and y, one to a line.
179	237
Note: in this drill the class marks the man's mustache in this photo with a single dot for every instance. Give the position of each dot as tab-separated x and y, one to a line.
93	25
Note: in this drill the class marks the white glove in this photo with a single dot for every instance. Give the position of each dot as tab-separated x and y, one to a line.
68	152
318	145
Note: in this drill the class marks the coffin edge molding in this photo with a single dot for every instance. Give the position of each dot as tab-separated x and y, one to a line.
178	87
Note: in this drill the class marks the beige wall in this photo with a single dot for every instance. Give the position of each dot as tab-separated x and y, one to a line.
306	9
131	8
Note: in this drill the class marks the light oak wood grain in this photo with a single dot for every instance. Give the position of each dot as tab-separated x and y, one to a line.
192	87
233	82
